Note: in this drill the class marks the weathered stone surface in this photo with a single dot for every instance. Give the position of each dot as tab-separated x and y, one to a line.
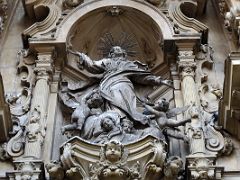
113	117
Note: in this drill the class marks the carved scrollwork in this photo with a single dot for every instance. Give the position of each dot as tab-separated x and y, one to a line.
158	3
214	139
15	146
204	60
111	160
19	103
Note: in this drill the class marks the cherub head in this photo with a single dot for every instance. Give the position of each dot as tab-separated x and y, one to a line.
95	100
127	125
173	166
161	105
107	123
109	120
113	151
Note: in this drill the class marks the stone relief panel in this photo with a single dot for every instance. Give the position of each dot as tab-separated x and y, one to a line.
19	103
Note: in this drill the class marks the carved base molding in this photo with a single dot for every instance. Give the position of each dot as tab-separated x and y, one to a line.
203	167
27	169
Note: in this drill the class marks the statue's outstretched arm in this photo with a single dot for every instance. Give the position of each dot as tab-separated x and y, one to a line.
174	123
176	134
87	63
152	80
153	111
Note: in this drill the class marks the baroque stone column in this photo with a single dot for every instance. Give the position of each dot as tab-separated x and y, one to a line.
37	121
200	165
30	165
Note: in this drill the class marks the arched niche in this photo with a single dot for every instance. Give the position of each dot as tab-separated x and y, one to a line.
149	10
128	25
146	25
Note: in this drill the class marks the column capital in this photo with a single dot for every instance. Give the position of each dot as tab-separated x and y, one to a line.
187	67
44	64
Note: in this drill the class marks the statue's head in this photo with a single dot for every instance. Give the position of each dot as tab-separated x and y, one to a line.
95	100
109	119
113	151
162	105
107	123
117	51
175	164
127	125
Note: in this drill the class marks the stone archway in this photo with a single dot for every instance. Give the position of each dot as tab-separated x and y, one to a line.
152	12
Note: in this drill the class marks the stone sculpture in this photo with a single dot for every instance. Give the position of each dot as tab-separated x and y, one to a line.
161	110
109	115
112	164
116	80
109	111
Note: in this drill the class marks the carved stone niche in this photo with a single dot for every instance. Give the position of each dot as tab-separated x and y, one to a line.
230	107
122	24
5	119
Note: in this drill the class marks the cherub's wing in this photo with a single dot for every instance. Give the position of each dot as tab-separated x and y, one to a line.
68	100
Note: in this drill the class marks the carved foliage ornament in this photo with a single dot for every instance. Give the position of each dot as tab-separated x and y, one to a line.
19	103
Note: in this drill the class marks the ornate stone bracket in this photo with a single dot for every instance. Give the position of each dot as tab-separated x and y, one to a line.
114	160
203	167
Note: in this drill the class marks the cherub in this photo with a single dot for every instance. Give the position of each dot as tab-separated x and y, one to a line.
129	133
91	105
162	113
172	168
109	127
112	163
